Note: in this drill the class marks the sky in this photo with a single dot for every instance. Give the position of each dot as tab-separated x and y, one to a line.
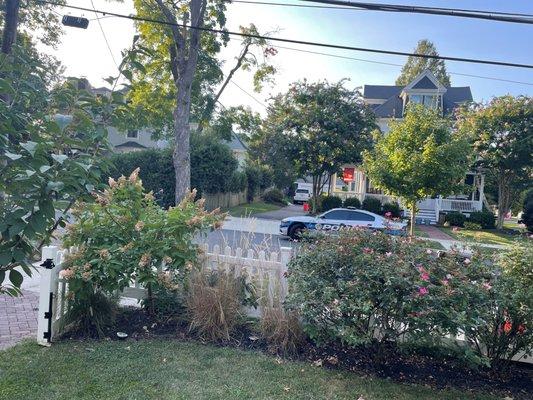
85	53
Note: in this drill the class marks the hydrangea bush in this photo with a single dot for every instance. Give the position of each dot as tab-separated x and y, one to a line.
363	287
124	235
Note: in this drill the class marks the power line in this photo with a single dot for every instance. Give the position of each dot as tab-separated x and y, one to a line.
395	65
355	8
302	42
104	35
450	12
250	95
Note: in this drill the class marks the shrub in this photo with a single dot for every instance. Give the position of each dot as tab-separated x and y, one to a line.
498	316
238	182
337	294
212	165
156	172
527	209
372	204
126	235
455	218
472	226
253	177
485	219
410	292
274	196
329	202
352	202
282	330
393	208
214	305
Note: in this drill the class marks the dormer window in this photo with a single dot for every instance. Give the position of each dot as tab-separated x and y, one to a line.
429	100
133	134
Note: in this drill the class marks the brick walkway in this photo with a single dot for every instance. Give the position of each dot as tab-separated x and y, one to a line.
18	318
434	233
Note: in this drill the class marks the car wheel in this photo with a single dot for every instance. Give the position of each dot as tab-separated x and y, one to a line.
295	233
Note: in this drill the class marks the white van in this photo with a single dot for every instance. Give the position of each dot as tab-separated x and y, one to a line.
301	195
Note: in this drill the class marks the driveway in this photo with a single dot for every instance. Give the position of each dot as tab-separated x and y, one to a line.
289	211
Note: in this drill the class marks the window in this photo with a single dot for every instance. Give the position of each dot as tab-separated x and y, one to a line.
133	134
431	101
359	216
302	191
337	214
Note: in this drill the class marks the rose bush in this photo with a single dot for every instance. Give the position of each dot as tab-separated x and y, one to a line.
124	236
363	287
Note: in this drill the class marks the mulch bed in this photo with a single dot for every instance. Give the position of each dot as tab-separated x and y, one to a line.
420	367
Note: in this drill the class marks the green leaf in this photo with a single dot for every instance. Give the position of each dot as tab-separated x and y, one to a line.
5	87
12	156
128	74
6	257
54	186
89	187
30	147
16	228
2	276
16	278
44	168
60	158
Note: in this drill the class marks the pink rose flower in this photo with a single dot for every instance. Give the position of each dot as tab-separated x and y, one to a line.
487	285
424	276
388	254
388	214
422	291
428	251
367	250
467	261
444	282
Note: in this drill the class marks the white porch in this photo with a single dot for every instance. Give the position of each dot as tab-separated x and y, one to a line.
429	210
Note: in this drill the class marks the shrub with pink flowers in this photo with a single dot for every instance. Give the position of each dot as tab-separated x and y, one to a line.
124	236
363	287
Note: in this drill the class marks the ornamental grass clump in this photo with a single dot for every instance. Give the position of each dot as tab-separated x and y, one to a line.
282	330
364	287
125	236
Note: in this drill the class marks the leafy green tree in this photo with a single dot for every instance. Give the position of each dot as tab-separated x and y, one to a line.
416	65
51	146
175	76
419	157
317	127
502	135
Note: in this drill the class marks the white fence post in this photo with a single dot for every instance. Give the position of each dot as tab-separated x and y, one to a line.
46	293
286	253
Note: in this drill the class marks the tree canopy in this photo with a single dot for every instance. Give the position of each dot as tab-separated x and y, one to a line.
502	136
316	127
420	156
416	65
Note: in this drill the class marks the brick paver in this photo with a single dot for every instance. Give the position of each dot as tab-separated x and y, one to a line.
18	318
434	232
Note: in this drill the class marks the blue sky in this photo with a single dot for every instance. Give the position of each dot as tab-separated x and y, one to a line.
453	36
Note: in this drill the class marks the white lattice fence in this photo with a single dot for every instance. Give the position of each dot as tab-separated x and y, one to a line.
267	271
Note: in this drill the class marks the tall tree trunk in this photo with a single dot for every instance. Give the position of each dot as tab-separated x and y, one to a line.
10	25
504	200
181	156
413	218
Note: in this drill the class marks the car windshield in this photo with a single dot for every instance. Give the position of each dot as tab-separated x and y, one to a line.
302	191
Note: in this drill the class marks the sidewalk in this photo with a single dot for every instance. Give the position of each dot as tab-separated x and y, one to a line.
254	225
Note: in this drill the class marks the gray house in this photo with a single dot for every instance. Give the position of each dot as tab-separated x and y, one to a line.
389	103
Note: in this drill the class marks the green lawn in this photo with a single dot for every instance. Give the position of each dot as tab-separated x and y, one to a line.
246	210
419	232
158	369
488	236
431	244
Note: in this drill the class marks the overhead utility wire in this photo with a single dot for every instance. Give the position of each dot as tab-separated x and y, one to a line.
353	8
394	64
425	10
104	35
295	41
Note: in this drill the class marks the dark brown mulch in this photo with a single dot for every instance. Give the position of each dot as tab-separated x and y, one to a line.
420	366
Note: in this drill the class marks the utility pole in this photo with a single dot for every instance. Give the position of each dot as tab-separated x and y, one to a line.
11	16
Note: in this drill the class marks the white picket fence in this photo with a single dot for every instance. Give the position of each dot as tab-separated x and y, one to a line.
266	271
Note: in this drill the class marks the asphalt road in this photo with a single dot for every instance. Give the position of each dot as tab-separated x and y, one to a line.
246	240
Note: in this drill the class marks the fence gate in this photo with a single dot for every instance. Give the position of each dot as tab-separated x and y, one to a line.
52	296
